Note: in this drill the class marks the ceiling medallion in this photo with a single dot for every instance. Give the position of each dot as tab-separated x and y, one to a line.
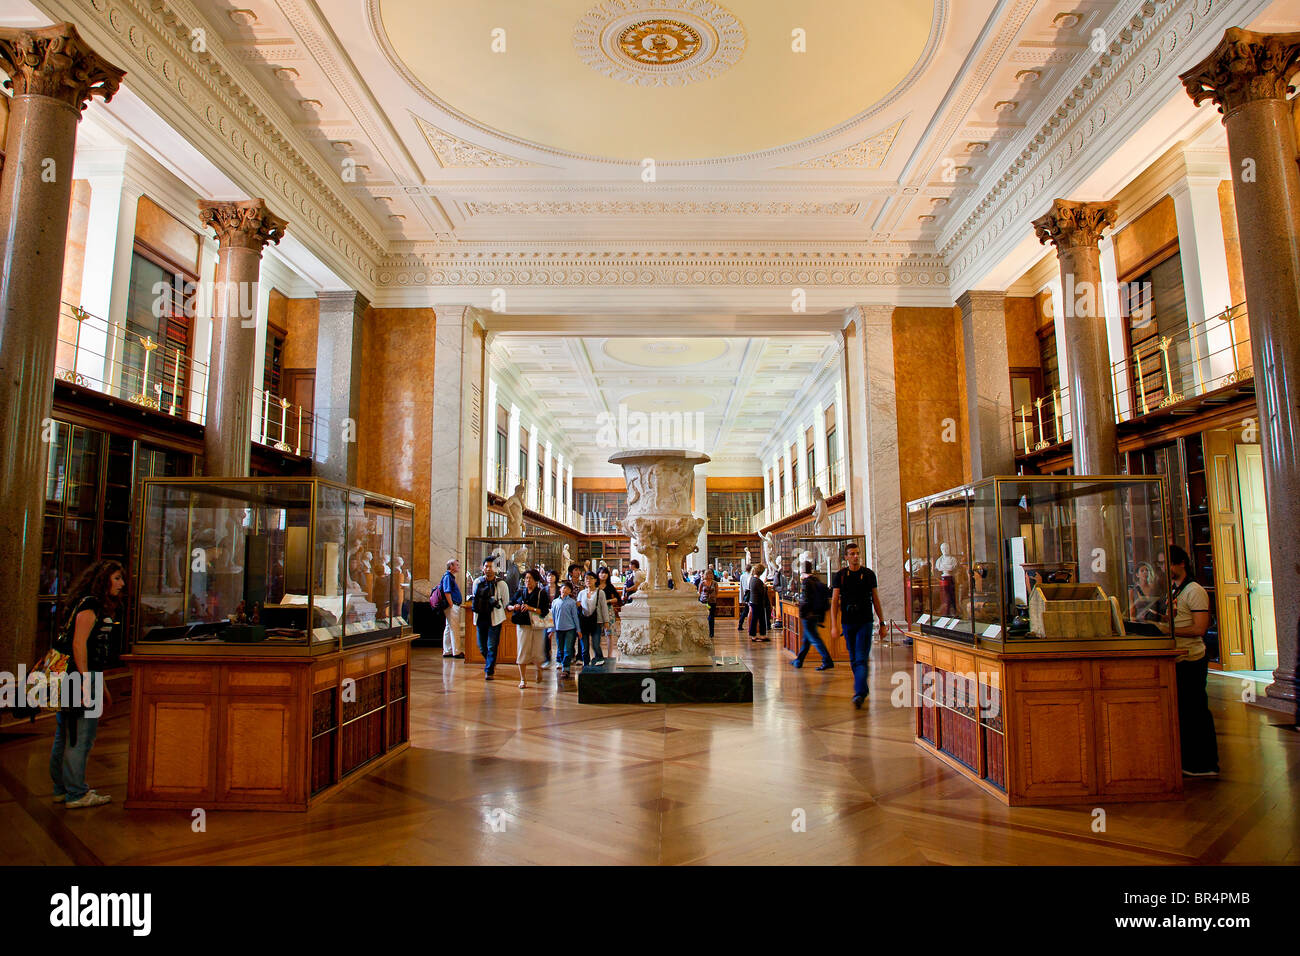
659	42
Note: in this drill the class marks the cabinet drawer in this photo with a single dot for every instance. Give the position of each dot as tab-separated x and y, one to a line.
247	679
326	676
963	663
989	672
922	652
1050	675
943	658
179	679
398	654
1145	672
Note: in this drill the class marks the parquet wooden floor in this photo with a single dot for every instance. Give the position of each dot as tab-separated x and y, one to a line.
499	775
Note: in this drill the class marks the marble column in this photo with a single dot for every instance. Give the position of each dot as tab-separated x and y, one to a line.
53	75
988	383
456	484
337	393
243	228
873	450
1075	229
1246	77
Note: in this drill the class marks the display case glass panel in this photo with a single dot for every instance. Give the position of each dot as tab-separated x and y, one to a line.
267	564
510	556
827	553
1041	560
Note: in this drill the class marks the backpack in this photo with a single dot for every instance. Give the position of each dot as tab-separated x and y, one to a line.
438	600
43	679
816	600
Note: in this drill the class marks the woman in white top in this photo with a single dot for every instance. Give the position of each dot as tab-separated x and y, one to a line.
593	616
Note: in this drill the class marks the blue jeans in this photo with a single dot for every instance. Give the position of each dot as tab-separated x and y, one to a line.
68	764
811	639
564	647
858	639
489	636
546	651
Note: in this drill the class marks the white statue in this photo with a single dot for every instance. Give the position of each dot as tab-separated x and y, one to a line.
515	513
945	564
748	559
366	562
400	570
565	560
388	565
821	520
769	554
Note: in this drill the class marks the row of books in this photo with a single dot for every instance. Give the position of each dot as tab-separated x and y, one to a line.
362	740
959	737
995	766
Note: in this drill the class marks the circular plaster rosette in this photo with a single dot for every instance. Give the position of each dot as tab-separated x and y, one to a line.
659	42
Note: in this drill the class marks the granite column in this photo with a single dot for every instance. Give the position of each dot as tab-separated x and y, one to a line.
54	75
1246	77
243	228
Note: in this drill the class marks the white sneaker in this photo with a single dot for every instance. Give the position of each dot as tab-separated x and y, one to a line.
90	799
546	665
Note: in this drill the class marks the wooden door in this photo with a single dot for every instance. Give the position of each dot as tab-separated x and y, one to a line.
299	386
1235	626
1259	569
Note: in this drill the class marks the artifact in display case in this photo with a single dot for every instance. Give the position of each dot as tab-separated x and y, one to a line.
1041	562
513	556
283	565
826	553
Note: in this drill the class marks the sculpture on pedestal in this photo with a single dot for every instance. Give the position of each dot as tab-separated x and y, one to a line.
769	555
665	627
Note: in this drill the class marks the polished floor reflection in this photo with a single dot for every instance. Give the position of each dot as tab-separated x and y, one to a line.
500	775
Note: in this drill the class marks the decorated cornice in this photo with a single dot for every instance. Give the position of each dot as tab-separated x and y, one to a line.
695	269
1244	67
210	98
246	224
54	61
683	208
1109	95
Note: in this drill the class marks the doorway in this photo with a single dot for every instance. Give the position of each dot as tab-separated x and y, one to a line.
1259	572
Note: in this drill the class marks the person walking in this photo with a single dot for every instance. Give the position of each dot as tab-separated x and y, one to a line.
632	581
606	583
709	596
742	602
814	603
1200	747
529	611
593	616
552	595
451	631
852	599
88	614
760	607
490	596
564	616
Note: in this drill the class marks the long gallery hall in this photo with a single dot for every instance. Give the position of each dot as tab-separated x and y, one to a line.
650	432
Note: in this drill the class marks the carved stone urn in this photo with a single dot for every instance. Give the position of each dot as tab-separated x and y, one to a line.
662	626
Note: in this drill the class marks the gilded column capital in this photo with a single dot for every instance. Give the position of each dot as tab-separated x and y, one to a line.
245	223
1075	224
1244	67
56	62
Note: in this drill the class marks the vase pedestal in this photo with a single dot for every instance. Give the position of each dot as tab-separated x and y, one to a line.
667	628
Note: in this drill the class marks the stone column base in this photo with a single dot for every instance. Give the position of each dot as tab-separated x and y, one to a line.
666	629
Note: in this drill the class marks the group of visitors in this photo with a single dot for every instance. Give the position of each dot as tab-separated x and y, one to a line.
577	617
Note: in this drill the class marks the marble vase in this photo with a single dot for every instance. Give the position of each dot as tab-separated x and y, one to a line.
662	626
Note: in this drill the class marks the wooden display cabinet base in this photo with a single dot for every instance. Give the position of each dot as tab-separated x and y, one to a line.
1061	727
229	731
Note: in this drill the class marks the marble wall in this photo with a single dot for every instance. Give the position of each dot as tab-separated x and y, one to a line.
300	320
1146	240
395	427
1023	321
74	262
165	233
963	398
930	384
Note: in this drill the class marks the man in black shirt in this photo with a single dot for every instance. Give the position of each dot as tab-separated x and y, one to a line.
852	599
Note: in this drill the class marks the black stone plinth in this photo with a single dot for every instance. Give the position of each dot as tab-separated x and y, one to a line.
608	683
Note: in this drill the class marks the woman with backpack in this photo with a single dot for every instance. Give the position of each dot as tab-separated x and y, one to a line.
450	598
760	606
709	596
593	616
86	631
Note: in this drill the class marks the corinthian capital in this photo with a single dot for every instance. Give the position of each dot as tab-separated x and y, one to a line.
1244	67
1072	224
56	62
246	223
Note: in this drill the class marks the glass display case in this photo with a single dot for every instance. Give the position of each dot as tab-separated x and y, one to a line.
514	556
827	554
1041	562
273	565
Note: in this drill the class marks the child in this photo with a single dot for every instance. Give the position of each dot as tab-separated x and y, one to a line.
564	615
